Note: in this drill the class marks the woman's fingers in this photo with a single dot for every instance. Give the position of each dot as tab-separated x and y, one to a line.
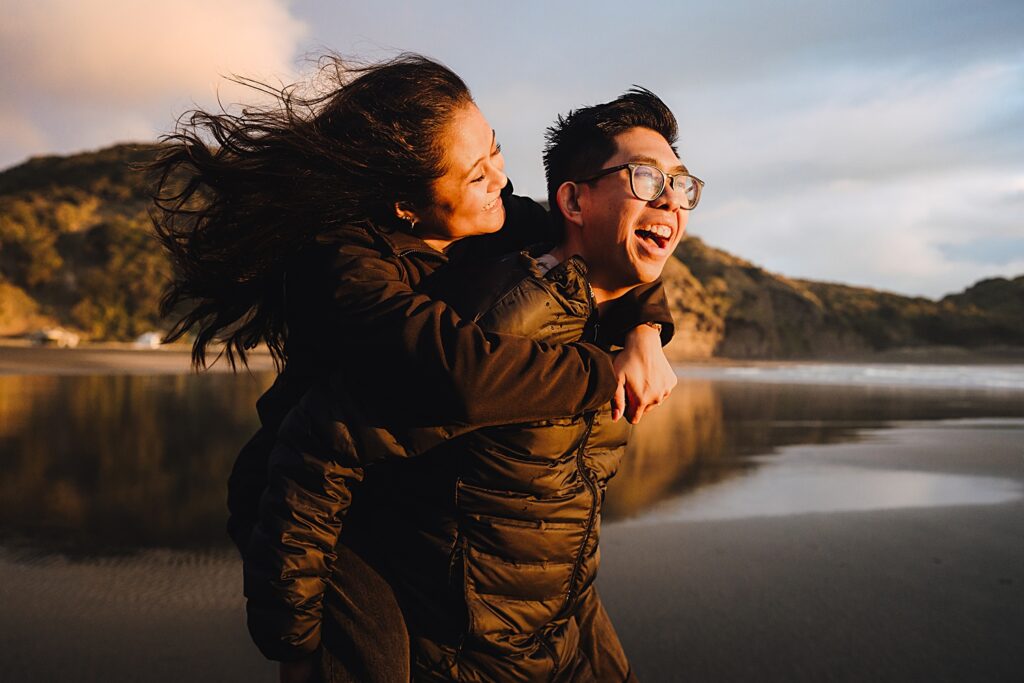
619	399
645	375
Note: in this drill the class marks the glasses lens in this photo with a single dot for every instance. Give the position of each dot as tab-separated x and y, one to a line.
648	182
687	186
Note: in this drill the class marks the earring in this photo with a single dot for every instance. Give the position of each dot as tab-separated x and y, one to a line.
412	222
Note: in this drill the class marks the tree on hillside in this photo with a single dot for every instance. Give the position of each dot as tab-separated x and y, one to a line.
28	247
120	290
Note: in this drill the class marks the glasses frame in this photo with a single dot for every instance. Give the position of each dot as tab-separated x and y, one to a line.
666	180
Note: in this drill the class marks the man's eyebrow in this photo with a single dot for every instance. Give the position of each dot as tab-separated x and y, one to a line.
657	164
494	136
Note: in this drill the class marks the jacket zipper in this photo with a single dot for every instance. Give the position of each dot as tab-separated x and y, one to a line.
550	649
581	468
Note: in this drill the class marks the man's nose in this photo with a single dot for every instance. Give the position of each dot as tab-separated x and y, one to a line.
669	199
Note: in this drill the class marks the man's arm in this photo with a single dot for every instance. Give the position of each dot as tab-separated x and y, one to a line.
643	304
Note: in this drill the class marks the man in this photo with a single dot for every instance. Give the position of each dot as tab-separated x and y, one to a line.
489	542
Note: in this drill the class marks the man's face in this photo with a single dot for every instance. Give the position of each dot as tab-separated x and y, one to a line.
627	241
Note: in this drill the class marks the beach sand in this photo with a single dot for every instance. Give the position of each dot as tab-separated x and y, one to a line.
865	586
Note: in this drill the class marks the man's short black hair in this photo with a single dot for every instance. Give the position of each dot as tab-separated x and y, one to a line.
579	143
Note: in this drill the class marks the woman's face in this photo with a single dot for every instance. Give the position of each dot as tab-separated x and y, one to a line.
467	198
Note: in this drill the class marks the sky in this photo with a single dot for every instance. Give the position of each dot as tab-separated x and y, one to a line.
871	143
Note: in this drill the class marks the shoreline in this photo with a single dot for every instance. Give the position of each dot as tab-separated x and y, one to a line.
111	358
917	355
116	359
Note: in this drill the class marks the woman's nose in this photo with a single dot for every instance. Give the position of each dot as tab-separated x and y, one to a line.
498	179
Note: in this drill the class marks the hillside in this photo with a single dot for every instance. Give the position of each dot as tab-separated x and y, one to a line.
762	315
76	250
75	245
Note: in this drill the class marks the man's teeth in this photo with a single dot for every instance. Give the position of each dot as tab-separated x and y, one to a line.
660	234
659	230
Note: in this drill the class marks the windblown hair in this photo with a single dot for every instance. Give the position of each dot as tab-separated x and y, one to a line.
579	143
238	195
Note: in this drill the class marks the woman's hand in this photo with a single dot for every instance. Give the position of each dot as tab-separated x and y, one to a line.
645	376
300	671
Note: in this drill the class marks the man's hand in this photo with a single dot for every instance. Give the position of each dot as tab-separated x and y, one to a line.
300	671
645	376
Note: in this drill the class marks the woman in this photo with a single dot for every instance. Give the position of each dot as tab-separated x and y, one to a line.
309	227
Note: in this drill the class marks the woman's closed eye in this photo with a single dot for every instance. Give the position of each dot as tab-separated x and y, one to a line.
494	153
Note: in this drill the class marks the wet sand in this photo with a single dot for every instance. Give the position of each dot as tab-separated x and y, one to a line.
911	590
874	586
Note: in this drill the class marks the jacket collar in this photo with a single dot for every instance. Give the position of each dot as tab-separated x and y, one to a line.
400	243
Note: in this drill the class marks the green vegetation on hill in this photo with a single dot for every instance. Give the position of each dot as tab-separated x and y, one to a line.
764	315
76	249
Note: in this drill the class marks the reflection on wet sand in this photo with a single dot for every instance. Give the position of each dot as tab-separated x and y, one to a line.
666	448
95	464
100	463
708	430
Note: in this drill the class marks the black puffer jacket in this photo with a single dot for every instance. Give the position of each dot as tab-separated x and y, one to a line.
492	540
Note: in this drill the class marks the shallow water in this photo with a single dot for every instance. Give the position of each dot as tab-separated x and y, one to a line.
95	465
1009	377
805	480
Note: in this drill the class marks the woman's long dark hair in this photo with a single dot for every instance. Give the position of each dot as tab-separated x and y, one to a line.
239	194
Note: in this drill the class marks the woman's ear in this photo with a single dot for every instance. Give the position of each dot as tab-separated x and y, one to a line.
568	200
405	212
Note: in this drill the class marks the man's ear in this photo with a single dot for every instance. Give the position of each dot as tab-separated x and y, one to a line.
568	200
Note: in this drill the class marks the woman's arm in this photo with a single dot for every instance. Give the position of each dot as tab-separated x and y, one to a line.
415	360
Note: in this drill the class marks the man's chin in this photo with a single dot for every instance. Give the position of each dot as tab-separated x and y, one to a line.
650	272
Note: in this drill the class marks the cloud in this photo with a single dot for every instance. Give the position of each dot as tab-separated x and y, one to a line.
882	176
134	61
909	234
997	251
855	123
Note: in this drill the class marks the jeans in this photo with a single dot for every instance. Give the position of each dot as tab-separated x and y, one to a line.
363	638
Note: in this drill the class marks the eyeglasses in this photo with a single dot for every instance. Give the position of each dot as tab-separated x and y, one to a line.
648	182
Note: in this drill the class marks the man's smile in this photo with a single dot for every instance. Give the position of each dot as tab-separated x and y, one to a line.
655	239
